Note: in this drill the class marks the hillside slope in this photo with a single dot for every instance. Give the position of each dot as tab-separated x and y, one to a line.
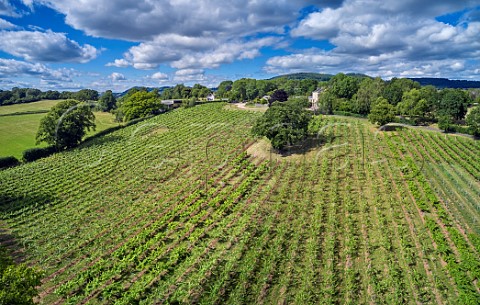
181	209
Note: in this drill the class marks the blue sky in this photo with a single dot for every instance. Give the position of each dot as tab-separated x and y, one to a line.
107	44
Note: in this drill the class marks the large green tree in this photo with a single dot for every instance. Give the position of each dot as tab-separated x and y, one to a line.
473	120
224	89
199	91
86	95
278	95
445	122
454	103
413	104
395	88
343	86
326	102
283	124
382	112
107	101
66	124
141	104
368	92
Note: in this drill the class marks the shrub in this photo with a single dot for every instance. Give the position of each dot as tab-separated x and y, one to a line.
36	153
8	162
17	282
347	113
382	112
445	123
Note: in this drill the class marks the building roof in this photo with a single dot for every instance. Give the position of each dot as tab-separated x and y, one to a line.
170	102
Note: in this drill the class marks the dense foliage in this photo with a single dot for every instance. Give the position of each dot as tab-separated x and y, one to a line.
32	154
382	112
283	124
66	124
138	104
8	161
27	95
473	121
278	95
181	91
356	94
17	282
107	101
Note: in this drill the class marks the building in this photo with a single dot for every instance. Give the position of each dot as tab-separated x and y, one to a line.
314	98
172	103
211	97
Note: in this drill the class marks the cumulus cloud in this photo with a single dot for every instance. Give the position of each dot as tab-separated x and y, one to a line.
165	48
4	24
388	37
45	47
120	63
189	75
115	76
203	18
159	76
183	52
224	53
10	68
7	9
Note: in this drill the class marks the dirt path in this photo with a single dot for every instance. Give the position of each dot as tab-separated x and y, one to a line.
243	106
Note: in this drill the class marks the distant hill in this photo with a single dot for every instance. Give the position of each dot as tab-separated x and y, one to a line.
160	89
447	83
424	81
317	76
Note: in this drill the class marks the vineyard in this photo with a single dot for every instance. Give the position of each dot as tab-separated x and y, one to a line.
175	210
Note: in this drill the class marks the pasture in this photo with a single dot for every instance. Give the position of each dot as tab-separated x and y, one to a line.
19	124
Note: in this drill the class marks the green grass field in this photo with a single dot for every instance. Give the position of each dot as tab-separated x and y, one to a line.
43	105
188	208
17	130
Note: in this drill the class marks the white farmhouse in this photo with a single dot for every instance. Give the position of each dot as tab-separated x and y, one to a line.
211	97
314	98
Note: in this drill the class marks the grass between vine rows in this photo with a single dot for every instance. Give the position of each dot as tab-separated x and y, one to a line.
188	208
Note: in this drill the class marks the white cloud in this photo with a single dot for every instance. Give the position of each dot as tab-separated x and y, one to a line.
10	68
313	60
115	76
120	63
45	47
165	48
7	9
224	53
144	20
28	3
159	76
191	52
4	24
388	38
187	34
189	75
319	25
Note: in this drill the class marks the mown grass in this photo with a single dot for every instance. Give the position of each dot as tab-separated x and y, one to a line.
18	126
44	105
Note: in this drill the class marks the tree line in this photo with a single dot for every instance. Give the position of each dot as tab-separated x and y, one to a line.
400	99
28	95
